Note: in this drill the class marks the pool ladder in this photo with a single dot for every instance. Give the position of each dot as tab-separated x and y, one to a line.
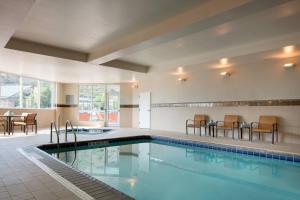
57	131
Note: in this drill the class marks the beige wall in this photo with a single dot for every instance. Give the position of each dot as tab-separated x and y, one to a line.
126	99
262	80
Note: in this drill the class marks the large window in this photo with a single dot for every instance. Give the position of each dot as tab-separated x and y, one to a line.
99	102
9	91
30	93
113	104
47	95
92	102
23	92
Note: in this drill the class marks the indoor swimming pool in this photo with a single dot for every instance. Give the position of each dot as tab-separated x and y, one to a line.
157	170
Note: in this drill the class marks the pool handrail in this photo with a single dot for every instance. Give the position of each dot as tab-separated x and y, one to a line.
53	124
68	122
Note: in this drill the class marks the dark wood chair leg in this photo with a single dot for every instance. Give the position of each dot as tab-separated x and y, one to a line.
36	128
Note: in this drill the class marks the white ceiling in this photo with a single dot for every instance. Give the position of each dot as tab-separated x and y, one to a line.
280	23
82	25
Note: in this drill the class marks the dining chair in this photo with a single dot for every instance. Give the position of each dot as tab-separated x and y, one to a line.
29	119
265	124
199	121
3	123
230	123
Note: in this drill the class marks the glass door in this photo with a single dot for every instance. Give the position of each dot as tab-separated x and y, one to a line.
113	105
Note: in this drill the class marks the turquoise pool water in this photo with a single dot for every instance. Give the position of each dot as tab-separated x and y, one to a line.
156	171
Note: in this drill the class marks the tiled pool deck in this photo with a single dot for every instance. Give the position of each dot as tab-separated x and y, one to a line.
21	179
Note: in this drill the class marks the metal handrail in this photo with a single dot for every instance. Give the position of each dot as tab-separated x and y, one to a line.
68	122
53	124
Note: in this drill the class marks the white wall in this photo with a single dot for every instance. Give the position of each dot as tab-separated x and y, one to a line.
262	80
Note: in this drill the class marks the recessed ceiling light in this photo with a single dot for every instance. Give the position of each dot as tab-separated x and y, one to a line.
288	49
180	70
289	65
224	61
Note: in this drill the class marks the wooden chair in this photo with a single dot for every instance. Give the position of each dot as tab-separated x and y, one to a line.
20	119
266	124
199	121
3	123
30	119
230	123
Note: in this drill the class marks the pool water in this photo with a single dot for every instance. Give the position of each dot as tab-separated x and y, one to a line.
156	171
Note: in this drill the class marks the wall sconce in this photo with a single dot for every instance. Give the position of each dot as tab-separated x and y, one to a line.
135	85
181	79
225	74
289	65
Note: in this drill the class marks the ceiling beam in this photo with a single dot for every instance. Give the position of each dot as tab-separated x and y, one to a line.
125	65
38	48
201	17
12	14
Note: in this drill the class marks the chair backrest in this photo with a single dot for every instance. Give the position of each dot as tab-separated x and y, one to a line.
229	119
24	114
267	122
198	119
30	118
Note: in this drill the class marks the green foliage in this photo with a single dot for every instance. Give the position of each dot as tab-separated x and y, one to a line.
46	95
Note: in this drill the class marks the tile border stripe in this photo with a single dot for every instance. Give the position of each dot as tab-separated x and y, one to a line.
221	147
233	149
278	102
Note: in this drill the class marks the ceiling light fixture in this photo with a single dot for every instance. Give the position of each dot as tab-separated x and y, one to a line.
180	70
289	49
224	61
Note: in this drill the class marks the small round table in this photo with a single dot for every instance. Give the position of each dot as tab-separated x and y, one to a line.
211	127
9	121
244	125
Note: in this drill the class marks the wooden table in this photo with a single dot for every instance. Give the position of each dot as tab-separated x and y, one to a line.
8	121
